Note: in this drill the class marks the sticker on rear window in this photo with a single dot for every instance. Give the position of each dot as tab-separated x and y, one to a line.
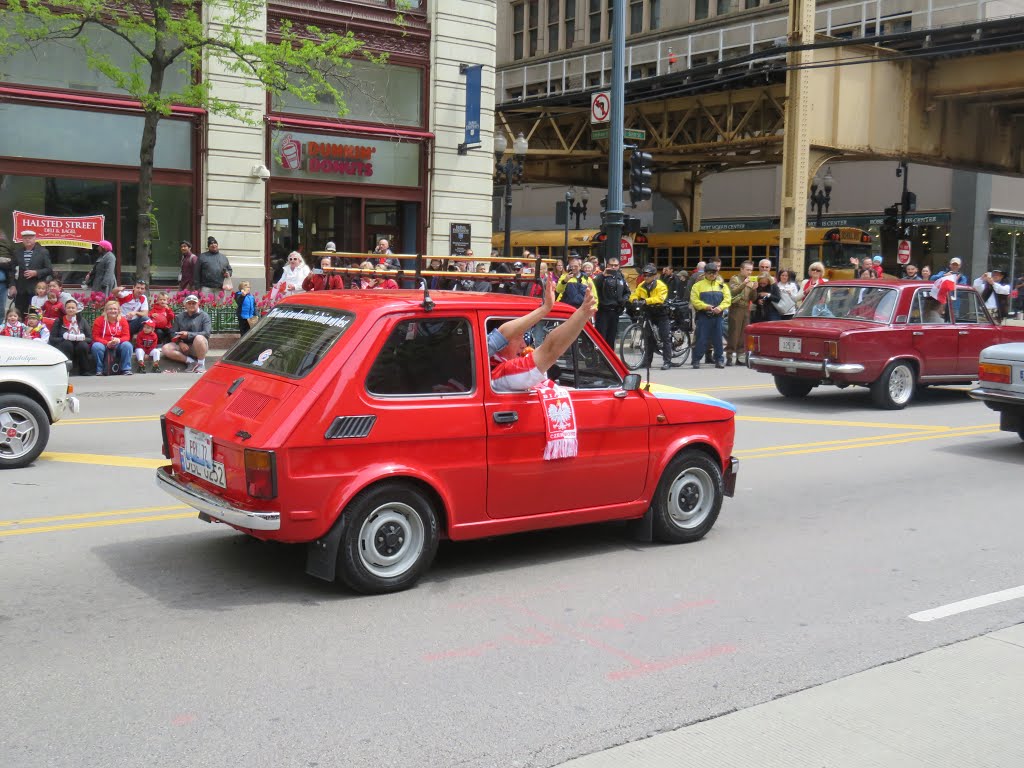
264	356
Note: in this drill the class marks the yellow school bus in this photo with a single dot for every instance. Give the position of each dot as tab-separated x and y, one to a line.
550	243
834	247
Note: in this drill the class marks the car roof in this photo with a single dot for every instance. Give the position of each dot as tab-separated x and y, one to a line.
408	300
883	283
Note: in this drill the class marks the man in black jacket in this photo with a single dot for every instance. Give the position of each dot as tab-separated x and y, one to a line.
31	263
613	295
212	268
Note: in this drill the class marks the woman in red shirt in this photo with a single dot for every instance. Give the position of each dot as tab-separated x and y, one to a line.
110	335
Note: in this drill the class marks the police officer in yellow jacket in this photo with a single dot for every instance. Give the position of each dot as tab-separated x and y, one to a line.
652	293
709	297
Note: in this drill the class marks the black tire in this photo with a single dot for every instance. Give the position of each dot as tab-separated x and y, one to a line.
31	426
682	343
634	347
688	499
377	526
895	388
1021	434
791	386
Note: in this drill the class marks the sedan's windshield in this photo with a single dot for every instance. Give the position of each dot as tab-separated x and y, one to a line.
851	302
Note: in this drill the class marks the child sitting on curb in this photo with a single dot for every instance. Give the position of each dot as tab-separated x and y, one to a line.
147	344
37	330
13	327
163	317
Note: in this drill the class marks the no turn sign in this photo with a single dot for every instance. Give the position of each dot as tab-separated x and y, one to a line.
625	253
903	252
601	107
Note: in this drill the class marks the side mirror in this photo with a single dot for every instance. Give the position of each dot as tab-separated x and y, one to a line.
630	384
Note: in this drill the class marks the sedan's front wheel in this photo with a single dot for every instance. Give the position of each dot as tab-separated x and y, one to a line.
895	387
688	498
24	430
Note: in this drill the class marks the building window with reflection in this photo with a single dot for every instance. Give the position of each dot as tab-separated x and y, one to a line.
533	21
724	7
518	14
552	26
700	9
655	14
594	21
570	23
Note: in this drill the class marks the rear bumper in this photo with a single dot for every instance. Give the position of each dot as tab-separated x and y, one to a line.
825	368
216	508
729	481
997	397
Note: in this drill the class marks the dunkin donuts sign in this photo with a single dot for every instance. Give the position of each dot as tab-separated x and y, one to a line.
325	157
308	156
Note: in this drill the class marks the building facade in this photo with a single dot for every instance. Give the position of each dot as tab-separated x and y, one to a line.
293	177
549	47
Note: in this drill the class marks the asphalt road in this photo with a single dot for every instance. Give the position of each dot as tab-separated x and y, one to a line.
136	635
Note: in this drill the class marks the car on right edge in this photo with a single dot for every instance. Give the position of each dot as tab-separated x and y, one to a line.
1001	384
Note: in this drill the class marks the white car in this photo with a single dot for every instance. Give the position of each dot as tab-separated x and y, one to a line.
1001	377
34	393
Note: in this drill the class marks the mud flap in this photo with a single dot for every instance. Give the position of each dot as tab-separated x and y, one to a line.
322	554
642	529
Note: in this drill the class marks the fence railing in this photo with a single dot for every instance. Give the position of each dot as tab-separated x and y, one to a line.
862	18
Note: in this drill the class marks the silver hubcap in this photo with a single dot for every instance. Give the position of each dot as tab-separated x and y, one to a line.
901	384
691	497
391	540
18	432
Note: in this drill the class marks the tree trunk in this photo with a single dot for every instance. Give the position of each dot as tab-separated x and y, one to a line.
143	239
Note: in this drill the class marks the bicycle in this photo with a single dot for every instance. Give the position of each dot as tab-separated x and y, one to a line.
634	348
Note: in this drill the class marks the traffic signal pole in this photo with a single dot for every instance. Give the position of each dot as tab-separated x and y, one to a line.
613	218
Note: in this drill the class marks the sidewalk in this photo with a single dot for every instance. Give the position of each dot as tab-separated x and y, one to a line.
955	707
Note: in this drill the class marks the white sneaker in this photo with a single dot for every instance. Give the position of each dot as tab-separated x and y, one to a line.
199	368
191	367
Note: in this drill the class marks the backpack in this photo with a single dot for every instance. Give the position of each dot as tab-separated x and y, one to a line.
575	292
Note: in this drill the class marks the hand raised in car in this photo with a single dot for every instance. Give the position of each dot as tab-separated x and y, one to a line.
549	295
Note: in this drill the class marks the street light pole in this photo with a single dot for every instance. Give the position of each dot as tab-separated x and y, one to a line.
821	194
510	171
579	209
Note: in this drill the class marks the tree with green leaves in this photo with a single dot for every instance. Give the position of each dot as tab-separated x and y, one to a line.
169	38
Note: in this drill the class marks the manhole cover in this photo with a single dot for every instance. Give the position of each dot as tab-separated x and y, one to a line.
116	394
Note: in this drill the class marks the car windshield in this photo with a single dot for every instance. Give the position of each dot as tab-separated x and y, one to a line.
850	302
290	340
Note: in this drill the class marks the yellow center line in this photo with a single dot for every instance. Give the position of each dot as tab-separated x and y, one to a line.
104	460
886	440
85	515
95	524
106	420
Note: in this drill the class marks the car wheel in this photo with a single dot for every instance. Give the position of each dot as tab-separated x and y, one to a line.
1021	434
389	539
24	430
688	498
791	386
895	387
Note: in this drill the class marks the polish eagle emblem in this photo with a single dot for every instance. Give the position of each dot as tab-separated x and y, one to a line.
560	415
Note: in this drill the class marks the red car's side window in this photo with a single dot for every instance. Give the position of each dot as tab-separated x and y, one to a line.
425	356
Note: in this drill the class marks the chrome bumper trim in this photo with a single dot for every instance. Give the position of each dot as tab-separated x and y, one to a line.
824	367
71	404
997	396
214	507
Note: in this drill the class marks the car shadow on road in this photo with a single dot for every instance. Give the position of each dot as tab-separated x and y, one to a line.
225	569
850	401
1004	447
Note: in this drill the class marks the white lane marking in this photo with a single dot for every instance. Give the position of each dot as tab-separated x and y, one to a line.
173	389
962	606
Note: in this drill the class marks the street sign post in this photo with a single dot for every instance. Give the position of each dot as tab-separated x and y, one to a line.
598	133
636	134
903	252
601	107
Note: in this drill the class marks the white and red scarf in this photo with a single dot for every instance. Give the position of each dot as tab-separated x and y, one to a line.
560	420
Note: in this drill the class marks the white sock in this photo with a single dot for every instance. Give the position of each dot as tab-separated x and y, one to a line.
189	360
155	354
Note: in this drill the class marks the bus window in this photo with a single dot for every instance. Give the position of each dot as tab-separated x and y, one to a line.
676	257
758	252
833	256
773	256
742	252
692	254
707	252
812	253
686	261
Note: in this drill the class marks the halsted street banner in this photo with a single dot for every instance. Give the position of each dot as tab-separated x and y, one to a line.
72	231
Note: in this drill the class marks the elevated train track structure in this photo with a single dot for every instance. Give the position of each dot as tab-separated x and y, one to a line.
941	84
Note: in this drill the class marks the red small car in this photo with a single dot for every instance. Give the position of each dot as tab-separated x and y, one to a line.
364	424
892	336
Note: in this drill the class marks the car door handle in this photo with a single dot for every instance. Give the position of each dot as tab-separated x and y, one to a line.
918	333
506	417
965	333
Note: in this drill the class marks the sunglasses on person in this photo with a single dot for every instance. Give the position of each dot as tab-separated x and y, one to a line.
815	270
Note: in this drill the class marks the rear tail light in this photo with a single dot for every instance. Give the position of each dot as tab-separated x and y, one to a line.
165	448
998	374
832	350
260	474
753	343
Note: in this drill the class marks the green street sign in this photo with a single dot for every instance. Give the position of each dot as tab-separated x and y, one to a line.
598	133
637	134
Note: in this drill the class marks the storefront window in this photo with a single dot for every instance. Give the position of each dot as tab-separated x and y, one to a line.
390	94
172	212
63	64
75	135
1006	244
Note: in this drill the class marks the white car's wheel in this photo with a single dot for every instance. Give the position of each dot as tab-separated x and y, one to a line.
24	430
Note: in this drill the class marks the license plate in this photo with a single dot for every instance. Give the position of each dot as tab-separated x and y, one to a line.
197	458
789	344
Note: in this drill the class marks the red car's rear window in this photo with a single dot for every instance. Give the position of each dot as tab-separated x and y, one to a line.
290	340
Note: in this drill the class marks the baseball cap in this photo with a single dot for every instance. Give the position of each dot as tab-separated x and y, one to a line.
877	259
518	265
106	245
711	266
650	269
330	246
28	233
191	297
149	321
999	270
955	260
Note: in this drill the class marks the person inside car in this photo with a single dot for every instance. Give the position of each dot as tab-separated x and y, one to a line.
499	337
518	370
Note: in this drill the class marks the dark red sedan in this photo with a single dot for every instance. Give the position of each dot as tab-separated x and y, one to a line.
891	336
